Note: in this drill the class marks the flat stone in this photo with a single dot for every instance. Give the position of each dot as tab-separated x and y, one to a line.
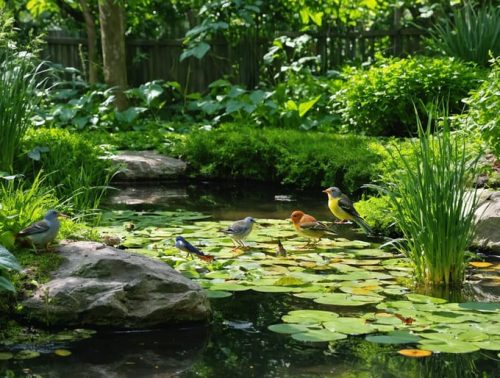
147	166
488	223
100	286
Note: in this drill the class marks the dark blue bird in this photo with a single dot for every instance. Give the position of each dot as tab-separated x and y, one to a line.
183	245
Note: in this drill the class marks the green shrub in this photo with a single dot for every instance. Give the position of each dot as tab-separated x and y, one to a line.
484	113
380	100
379	214
471	34
74	165
302	159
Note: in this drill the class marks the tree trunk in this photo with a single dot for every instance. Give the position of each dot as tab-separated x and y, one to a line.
91	41
112	22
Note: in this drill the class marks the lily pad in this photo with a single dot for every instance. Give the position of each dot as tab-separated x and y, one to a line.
317	336
309	316
218	294
288	328
394	337
26	354
350	326
481	306
62	352
448	346
5	356
419	298
225	286
341	299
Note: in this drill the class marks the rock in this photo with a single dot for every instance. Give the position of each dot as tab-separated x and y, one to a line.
147	166
100	286
488	223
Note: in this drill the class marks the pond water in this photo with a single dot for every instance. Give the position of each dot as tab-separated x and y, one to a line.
238	342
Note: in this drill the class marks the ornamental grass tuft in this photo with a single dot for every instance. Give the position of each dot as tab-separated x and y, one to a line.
435	204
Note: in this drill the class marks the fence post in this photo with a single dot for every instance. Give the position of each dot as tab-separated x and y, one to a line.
397	39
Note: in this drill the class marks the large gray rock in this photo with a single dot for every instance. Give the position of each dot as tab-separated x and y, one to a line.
488	223
147	166
99	286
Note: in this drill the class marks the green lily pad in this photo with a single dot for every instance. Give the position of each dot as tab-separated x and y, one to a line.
419	298
309	316
288	328
26	354
62	352
218	294
394	337
340	299
317	336
481	306
289	281
5	356
488	344
350	326
224	286
448	346
274	289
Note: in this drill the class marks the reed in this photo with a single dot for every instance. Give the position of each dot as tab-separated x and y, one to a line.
434	206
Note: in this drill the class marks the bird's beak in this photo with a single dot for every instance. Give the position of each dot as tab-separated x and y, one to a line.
325	191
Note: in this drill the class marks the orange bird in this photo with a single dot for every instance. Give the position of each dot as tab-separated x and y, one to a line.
306	225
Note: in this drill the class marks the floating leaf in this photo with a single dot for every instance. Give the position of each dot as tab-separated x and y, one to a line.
26	354
288	328
481	306
309	316
480	264
289	281
350	326
218	294
273	289
419	298
316	336
62	352
416	353
225	286
340	299
394	337
5	356
488	344
448	346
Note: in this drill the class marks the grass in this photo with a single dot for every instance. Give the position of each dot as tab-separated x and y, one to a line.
433	206
18	81
472	34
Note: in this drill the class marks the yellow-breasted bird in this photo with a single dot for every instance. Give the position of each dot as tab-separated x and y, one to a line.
342	208
306	225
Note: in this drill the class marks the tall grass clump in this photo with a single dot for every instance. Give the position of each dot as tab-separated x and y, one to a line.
434	208
18	81
21	203
471	34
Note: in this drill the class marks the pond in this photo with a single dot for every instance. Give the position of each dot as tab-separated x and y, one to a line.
352	292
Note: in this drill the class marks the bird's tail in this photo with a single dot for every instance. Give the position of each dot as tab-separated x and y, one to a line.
361	223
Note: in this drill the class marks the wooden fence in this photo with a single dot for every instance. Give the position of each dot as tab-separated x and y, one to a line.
152	60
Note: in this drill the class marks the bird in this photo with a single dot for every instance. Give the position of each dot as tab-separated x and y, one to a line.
43	232
342	208
239	230
183	245
306	225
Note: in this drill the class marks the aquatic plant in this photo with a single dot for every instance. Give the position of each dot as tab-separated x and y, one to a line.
18	81
7	263
433	206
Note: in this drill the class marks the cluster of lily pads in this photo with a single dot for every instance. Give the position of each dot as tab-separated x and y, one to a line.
344	276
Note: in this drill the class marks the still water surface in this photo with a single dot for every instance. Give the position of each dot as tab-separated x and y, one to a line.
237	342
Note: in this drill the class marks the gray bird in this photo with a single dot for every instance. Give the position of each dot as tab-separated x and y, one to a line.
239	230
43	232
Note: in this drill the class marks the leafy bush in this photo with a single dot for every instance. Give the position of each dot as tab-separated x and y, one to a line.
380	100
379	214
76	169
7	263
302	159
471	34
484	108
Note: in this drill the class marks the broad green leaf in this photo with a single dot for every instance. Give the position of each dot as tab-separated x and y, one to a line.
481	306
288	328
316	336
419	298
217	294
304	107
350	326
309	316
228	287
394	337
448	346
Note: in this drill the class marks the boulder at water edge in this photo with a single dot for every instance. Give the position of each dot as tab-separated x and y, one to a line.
147	166
99	286
488	223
